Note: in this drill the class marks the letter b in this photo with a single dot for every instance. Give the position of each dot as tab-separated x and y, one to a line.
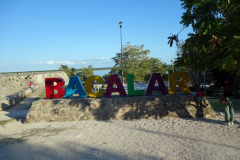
49	87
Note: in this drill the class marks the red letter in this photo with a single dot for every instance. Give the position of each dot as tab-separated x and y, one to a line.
49	87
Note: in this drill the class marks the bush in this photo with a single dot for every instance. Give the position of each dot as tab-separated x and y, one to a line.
192	88
236	94
209	92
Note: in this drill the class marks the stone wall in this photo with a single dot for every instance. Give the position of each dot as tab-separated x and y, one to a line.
15	82
11	100
116	108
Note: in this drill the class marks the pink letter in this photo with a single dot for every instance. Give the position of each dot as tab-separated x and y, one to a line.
161	86
110	89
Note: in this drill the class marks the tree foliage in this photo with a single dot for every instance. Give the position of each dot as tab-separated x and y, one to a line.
69	71
65	69
135	61
215	42
196	75
72	71
106	77
85	72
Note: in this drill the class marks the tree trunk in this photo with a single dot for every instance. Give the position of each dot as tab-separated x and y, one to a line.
196	80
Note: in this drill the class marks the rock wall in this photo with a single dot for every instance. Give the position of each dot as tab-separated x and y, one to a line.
15	82
76	109
11	100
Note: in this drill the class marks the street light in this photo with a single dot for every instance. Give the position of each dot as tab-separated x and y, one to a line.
120	24
172	64
198	73
205	78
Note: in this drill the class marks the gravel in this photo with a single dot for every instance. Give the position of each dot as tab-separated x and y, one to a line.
179	138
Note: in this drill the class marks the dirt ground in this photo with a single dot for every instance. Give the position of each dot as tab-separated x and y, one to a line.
189	138
137	139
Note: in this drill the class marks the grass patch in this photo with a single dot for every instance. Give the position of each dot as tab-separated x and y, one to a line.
217	106
42	95
6	141
3	122
45	132
217	94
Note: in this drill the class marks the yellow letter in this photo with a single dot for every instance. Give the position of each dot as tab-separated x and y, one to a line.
172	82
88	86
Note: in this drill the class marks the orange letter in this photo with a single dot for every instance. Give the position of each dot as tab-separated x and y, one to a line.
88	86
172	82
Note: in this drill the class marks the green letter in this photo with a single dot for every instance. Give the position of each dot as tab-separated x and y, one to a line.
130	87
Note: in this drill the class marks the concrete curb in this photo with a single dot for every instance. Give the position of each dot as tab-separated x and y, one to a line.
11	100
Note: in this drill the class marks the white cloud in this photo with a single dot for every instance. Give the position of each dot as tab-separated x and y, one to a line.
98	60
103	58
36	62
50	62
66	62
89	61
2	66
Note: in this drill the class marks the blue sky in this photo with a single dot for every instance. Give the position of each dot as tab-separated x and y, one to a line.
43	34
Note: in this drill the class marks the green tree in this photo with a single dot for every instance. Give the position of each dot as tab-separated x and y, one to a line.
72	71
65	69
85	72
69	71
135	61
215	42
106	77
154	65
196	75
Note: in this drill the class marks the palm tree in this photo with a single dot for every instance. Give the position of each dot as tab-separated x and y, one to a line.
73	71
65	69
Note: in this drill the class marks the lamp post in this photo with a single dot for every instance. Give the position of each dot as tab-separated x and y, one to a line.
120	24
172	64
180	66
198	79
205	78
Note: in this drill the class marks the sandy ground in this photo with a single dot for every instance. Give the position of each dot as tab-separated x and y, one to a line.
200	139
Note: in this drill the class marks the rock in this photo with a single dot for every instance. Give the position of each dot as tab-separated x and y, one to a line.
116	108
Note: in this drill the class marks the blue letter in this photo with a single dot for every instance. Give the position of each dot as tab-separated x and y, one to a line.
79	88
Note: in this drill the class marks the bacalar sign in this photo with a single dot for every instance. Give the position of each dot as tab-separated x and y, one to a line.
87	89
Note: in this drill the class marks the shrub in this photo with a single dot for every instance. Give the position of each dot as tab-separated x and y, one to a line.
209	92
236	94
27	77
192	88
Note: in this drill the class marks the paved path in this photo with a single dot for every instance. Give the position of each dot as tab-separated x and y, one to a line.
20	110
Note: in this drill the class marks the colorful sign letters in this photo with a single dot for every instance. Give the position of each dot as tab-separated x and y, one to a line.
172	82
75	86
